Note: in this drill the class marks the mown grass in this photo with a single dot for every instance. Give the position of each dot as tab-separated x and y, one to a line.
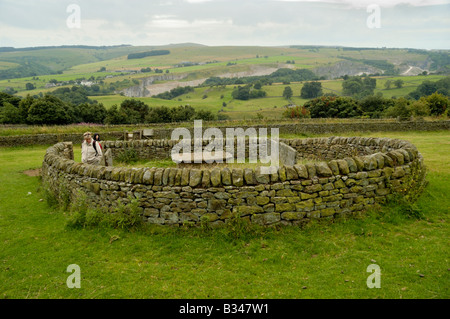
322	260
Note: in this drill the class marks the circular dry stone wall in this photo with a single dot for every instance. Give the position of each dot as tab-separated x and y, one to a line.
340	175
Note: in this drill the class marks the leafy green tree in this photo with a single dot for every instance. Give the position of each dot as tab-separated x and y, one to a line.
115	116
75	95
49	110
182	113
175	93
297	112
95	88
160	114
399	83
204	115
311	90
223	117
333	107
358	87
426	88
369	84
90	113
287	93
6	97
256	94
419	108
141	55
135	110
437	103
9	114
399	109
9	90
132	116
388	84
374	106
241	93
283	75
352	86
24	106
29	86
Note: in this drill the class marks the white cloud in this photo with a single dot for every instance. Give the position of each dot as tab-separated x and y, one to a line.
421	24
167	23
163	16
197	1
381	3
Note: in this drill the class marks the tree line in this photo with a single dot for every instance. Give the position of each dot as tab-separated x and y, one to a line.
359	101
141	55
280	76
137	112
333	106
175	92
51	110
67	106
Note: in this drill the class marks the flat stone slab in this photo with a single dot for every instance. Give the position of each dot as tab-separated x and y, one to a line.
188	159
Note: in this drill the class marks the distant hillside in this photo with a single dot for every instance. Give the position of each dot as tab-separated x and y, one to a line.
35	61
11	49
113	69
141	55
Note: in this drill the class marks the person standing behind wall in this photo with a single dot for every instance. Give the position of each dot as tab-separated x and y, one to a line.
97	140
91	152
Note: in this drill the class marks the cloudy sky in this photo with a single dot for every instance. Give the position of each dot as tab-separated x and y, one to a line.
421	24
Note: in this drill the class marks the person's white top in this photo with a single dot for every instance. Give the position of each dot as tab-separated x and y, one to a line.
88	151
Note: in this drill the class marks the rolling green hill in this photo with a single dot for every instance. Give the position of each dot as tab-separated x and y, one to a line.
21	63
54	60
112	71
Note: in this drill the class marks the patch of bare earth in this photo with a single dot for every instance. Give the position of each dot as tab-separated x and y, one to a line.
33	172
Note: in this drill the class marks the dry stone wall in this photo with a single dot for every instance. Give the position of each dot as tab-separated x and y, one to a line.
48	139
351	174
294	128
335	128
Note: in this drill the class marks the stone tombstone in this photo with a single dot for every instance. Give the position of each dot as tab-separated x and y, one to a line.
107	158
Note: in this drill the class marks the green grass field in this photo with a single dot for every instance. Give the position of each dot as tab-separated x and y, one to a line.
323	260
271	106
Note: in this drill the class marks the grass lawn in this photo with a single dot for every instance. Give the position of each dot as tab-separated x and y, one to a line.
322	260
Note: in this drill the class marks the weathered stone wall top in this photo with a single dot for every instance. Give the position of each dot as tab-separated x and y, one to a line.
339	147
386	153
335	128
46	139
